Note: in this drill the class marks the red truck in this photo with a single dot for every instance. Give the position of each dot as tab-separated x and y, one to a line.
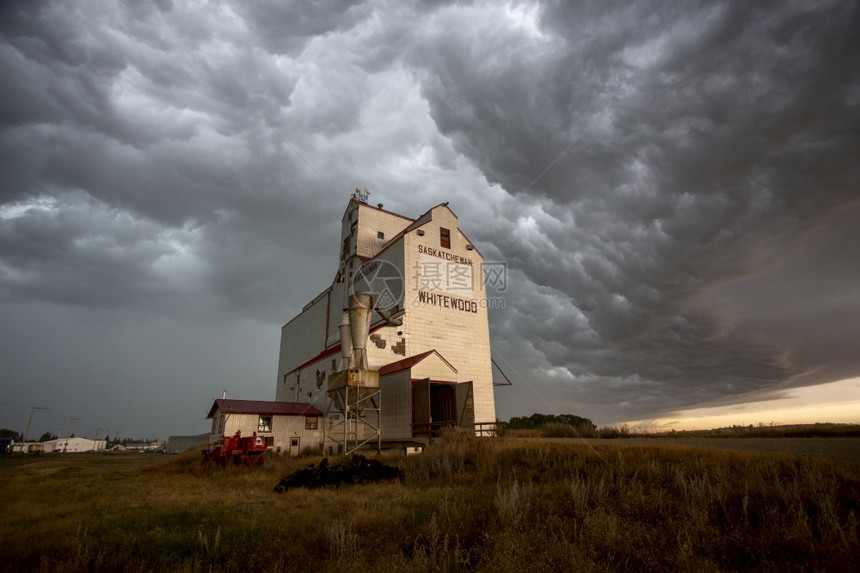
237	451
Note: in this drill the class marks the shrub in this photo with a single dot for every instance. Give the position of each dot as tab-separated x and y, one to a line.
558	430
622	431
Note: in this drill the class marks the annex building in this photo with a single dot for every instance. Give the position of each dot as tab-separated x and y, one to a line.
286	427
407	310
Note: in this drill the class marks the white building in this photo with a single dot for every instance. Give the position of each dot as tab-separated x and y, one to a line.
27	448
434	368
287	427
70	445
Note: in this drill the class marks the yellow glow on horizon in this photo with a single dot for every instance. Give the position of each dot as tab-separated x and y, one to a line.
836	402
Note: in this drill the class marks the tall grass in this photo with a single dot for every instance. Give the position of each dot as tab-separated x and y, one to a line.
466	505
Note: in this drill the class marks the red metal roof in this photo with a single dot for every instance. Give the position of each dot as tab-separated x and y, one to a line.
263	407
410	362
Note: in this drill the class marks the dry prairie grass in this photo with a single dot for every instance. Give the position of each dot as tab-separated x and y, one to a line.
469	505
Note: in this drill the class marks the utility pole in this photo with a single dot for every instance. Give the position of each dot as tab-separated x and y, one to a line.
30	419
97	436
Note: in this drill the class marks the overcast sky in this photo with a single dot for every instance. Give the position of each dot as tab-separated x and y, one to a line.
675	188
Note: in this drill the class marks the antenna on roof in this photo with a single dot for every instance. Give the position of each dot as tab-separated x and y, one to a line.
360	195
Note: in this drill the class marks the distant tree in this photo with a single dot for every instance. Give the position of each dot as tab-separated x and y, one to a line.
47	436
538	421
6	433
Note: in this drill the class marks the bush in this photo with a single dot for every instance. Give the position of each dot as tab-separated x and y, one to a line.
622	431
558	430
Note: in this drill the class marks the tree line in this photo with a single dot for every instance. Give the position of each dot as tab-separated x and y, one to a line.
539	421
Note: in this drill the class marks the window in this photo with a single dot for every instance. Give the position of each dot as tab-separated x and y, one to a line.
380	235
311	422
333	364
445	237
265	424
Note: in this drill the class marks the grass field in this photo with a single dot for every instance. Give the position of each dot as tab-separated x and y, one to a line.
840	449
469	505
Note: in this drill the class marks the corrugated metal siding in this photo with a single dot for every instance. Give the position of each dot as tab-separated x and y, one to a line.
396	403
178	444
335	313
303	337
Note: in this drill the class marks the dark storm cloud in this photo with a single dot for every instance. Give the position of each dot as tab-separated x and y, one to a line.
674	187
662	151
159	137
148	171
286	27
